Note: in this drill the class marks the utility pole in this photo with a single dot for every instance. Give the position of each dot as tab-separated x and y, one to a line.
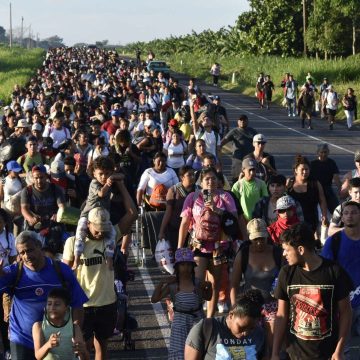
22	31
10	27
304	26
29	40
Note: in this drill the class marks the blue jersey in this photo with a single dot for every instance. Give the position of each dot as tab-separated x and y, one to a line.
30	296
349	258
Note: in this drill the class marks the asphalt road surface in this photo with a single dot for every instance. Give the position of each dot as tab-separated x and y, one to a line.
286	138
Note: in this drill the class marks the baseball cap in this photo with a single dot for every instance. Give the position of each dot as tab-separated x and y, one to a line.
216	97
357	155
173	122
285	202
149	122
13	166
184	255
249	164
115	113
39	168
57	169
36	127
100	219
22	123
257	229
259	138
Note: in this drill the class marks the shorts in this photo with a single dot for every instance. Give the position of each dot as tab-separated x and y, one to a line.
269	311
99	321
198	253
305	113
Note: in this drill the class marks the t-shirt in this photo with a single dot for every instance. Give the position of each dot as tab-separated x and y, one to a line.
175	158
313	298
324	171
211	139
249	193
58	136
28	162
243	141
349	258
31	294
224	345
94	200
109	127
93	274
150	178
43	203
7	247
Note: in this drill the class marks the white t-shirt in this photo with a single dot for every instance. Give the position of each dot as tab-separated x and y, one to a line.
211	140
58	136
11	187
150	178
331	100
7	249
175	158
94	153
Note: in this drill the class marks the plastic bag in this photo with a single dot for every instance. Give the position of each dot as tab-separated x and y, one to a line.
323	234
164	256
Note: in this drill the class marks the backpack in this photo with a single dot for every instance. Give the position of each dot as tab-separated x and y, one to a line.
158	197
335	244
307	99
210	224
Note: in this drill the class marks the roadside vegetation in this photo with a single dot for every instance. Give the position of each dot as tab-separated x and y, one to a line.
17	65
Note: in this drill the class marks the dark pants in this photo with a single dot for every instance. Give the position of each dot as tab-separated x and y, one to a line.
236	168
331	199
20	352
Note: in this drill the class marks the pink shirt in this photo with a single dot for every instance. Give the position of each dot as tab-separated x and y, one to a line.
191	210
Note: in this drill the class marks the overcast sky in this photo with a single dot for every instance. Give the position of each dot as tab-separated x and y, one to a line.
119	21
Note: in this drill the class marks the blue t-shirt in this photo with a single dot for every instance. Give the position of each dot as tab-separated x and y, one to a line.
349	258
30	297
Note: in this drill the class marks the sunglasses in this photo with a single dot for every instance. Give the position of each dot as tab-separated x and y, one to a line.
261	142
282	211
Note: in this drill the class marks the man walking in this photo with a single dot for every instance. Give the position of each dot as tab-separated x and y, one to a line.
344	248
242	138
314	311
97	280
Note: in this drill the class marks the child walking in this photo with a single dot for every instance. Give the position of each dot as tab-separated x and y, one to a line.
56	337
100	191
187	294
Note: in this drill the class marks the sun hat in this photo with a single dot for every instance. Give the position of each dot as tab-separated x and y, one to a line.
22	123
259	138
100	219
249	164
285	202
13	166
257	229
184	255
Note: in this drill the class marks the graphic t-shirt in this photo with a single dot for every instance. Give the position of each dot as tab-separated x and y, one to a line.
223	345
94	276
313	298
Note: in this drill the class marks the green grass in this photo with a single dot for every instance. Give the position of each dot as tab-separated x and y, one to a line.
342	73
17	65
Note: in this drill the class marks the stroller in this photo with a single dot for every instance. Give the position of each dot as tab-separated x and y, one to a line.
126	323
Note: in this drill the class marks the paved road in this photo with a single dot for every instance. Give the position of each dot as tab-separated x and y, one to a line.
285	140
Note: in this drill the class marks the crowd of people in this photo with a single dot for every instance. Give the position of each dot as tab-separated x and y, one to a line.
308	100
91	138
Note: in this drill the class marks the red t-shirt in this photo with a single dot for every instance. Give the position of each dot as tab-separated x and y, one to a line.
109	127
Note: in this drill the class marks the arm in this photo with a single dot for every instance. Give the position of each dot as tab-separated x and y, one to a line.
191	353
337	182
1	191
162	290
323	205
345	314
195	124
334	228
165	220
236	276
28	215
79	344
280	325
41	346
344	192
184	228
206	290
78	315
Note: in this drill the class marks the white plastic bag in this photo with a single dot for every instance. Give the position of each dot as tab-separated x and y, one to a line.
323	234
164	256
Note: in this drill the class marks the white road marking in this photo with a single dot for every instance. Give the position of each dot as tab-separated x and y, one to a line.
289	128
159	312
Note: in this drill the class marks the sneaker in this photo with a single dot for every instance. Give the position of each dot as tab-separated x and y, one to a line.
289	115
222	307
294	114
310	127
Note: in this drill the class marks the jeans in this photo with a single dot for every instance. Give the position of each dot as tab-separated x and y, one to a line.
21	352
291	105
349	117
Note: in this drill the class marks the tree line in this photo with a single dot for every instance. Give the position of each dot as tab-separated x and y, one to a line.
275	27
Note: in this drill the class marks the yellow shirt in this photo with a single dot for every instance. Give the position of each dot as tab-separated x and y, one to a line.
93	274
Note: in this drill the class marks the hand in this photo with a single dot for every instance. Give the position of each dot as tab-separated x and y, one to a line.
53	217
78	347
109	182
54	340
324	221
265	161
71	193
33	220
337	356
